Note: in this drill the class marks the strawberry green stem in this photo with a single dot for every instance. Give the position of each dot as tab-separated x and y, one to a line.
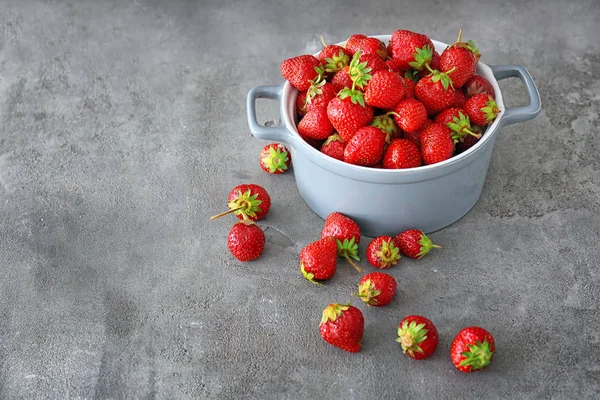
227	212
356	267
477	135
428	67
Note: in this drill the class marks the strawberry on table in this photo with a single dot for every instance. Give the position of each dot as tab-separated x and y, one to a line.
247	201
401	153
300	71
342	325
478	85
472	349
246	240
318	260
437	144
382	253
418	337
365	147
482	109
334	147
414	243
346	233
435	91
315	124
275	158
460	58
377	289
384	90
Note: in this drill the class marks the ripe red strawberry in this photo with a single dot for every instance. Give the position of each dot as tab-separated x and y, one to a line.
247	201
347	117
472	349
435	91
387	125
300	70
459	99
414	243
365	147
448	115
461	60
437	144
481	109
301	104
478	85
418	337
346	233
457	120
415	136
382	253
246	240
377	289
468	141
315	124
353	42
384	90
401	153
342	325
394	66
334	147
374	63
410	115
275	158
319	95
342	79
318	260
374	46
412	50
409	85
334	57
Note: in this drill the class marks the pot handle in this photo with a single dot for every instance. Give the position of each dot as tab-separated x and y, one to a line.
519	114
278	133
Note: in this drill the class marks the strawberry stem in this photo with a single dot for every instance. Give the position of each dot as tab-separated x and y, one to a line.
393	113
477	135
459	36
356	267
323	41
227	212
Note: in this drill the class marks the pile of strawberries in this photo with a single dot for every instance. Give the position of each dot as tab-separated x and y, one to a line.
342	325
397	106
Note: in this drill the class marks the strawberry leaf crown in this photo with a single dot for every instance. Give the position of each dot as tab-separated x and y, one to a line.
359	72
412	75
388	254
247	203
333	138
461	126
308	275
315	85
478	356
490	110
355	96
443	77
422	58
333	311
471	46
337	62
368	293
386	124
410	335
276	160
348	248
426	245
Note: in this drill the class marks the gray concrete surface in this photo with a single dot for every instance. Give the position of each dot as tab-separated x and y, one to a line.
122	130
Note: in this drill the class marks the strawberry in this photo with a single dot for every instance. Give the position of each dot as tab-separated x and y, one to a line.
457	120
409	85
384	90
334	147
481	109
315	124
319	95
435	91
318	260
437	144
418	337
476	85
246	240
342	79
459	99
374	46
410	115
373	62
382	253
347	116
401	153
394	66
365	147
468	141
333	57
247	201
472	349
460	58
346	233
275	158
377	289
414	243
301	104
386	124
412	50
353	42
300	70
415	136
342	325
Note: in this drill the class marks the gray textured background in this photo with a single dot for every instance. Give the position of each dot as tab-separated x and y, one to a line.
123	128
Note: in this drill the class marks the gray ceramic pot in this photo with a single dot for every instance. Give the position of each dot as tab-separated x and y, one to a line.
386	202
